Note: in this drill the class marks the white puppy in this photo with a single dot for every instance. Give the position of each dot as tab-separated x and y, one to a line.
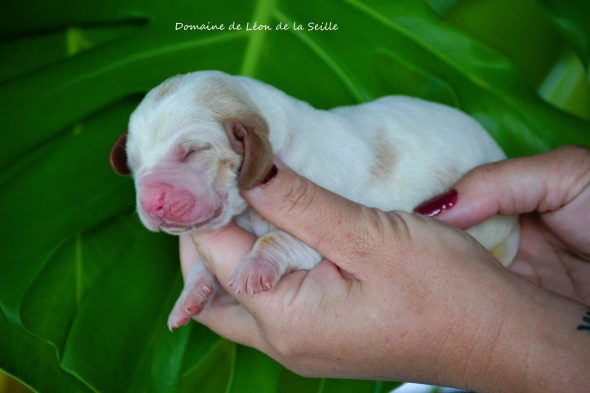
197	137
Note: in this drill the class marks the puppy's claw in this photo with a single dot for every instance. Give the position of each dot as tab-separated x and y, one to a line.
193	309
177	319
255	275
197	292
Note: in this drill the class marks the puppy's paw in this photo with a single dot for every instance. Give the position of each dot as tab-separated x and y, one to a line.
197	298
273	255
190	303
198	291
177	318
256	273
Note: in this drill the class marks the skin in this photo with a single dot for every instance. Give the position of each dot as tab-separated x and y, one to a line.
552	191
406	297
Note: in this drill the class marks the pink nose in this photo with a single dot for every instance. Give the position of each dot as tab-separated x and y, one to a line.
164	202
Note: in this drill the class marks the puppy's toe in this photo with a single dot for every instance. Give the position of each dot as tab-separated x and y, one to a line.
196	300
255	275
177	318
189	304
195	296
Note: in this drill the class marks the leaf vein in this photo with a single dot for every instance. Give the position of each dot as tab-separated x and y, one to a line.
323	55
262	14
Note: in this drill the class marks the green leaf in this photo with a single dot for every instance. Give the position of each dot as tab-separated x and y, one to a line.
253	370
567	85
572	19
85	288
524	34
34	361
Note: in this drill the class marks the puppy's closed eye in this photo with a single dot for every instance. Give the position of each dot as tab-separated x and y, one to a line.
191	150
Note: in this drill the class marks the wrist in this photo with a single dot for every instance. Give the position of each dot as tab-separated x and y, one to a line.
536	346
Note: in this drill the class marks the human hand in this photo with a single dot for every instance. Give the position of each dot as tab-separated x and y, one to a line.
552	193
399	297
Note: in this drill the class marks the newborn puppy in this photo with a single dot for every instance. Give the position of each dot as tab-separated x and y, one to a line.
196	138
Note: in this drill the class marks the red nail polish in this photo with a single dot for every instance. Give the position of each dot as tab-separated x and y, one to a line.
271	174
439	204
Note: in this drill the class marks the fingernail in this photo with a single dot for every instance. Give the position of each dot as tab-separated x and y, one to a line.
271	174
439	204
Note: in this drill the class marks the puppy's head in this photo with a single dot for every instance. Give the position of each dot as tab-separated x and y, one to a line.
192	141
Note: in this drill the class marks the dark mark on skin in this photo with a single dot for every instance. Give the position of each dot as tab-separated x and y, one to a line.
585	322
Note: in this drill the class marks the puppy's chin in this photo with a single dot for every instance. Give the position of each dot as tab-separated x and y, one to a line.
219	219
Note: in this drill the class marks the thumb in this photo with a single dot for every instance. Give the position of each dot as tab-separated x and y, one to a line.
542	183
325	221
221	250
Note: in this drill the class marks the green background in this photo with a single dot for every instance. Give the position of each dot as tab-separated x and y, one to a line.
84	289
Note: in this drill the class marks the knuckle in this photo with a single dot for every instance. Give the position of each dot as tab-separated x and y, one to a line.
399	226
335	239
299	196
572	171
365	239
574	150
375	236
485	173
580	158
370	237
567	160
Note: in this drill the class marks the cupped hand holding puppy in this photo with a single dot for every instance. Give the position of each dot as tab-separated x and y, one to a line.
398	297
552	192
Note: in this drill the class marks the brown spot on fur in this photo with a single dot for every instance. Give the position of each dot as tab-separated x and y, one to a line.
266	240
499	251
228	100
221	96
168	87
385	158
224	172
236	111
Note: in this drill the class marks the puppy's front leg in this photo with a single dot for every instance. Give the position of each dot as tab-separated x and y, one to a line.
273	255
199	289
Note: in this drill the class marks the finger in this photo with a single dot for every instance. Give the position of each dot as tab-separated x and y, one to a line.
541	183
188	254
222	250
325	221
189	259
233	322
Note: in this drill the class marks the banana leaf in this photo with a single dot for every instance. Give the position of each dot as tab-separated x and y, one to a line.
84	288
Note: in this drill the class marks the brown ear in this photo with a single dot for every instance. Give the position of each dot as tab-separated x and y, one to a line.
118	157
251	141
